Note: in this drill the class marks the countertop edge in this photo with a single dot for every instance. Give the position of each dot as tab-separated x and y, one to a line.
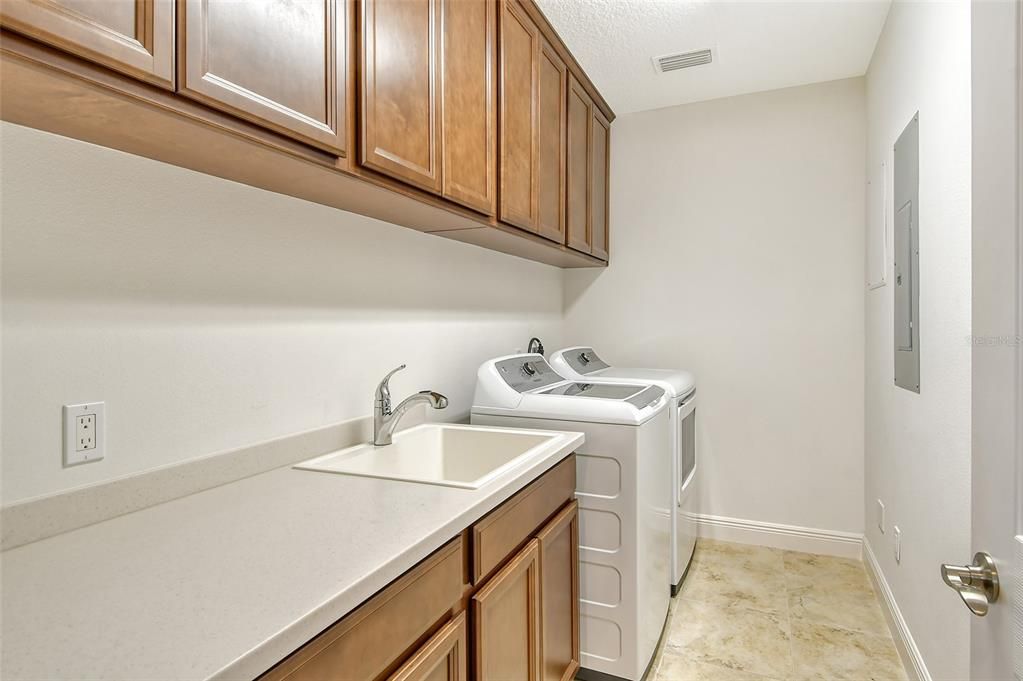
268	653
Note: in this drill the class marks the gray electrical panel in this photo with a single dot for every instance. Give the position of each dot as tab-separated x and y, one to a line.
906	194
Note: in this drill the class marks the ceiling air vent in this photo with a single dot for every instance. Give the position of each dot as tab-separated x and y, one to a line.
682	60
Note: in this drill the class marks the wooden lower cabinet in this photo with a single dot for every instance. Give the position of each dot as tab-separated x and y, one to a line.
558	544
508	619
442	658
369	642
518	622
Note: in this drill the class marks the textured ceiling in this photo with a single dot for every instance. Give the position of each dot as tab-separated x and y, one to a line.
757	45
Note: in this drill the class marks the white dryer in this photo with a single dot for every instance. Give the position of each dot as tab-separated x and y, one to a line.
582	364
624	540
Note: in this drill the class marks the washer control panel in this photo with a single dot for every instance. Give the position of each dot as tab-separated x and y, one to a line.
527	372
585	361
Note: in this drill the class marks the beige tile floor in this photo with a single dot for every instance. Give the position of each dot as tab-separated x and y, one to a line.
750	613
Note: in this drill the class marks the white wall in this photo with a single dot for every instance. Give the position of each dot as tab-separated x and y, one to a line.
209	315
738	253
918	446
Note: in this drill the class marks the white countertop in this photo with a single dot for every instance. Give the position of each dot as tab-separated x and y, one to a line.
224	583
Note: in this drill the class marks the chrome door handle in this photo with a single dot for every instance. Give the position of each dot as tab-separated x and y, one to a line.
976	584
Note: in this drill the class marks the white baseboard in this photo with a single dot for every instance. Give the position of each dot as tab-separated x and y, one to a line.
789	537
904	643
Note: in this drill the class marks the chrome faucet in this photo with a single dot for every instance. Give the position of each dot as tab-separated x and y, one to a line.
385	418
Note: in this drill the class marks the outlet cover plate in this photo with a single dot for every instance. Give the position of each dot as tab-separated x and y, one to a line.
898	543
880	516
84	433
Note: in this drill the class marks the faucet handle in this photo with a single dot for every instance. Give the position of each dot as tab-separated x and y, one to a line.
383	394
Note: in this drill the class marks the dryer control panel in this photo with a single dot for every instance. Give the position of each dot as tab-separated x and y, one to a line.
584	360
528	372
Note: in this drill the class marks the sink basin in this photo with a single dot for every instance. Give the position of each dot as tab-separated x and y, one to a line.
443	454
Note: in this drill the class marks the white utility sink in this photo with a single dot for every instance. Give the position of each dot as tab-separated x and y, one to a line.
443	454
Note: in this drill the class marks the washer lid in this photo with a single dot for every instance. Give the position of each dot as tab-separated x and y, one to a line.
637	395
610	391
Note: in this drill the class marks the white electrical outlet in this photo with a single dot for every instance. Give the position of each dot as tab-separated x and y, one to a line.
880	515
83	433
898	543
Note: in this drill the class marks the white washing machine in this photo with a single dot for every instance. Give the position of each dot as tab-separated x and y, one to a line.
624	541
583	364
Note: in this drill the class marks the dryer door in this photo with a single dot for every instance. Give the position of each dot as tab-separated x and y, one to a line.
686	499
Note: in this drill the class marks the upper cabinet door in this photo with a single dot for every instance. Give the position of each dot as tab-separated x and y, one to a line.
600	171
469	92
135	37
580	113
401	104
276	63
553	86
519	140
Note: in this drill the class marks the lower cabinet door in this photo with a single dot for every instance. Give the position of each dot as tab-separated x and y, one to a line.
559	591
442	658
508	620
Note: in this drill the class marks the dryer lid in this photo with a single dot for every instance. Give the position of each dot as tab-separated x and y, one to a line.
583	363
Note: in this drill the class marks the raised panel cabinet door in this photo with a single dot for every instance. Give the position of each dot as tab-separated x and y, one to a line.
578	178
559	594
519	141
401	104
600	186
507	620
276	63
135	37
442	658
553	85
469	93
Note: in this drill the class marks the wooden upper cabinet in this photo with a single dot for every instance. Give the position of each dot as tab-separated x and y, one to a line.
508	620
135	37
401	103
519	137
551	122
559	593
600	171
588	167
276	63
429	96
469	94
580	113
442	658
534	80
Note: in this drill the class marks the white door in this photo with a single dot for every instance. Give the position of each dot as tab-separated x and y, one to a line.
997	405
